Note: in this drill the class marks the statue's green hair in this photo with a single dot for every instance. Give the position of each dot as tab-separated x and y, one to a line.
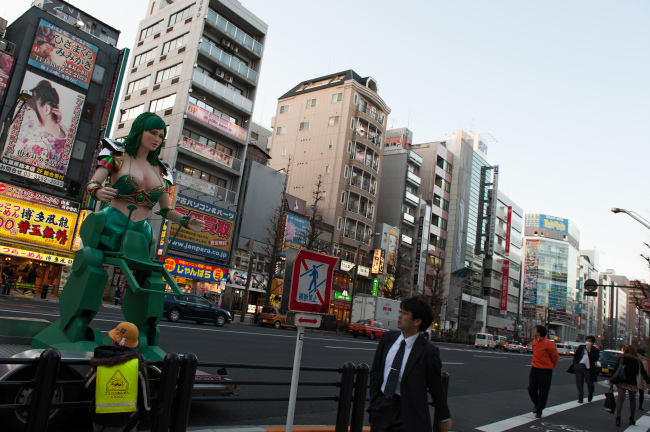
145	122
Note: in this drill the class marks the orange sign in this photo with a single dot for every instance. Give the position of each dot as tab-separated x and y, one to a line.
195	270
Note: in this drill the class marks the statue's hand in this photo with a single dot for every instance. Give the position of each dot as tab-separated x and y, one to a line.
105	194
196	224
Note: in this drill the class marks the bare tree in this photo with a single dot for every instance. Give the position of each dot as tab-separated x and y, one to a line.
433	294
315	217
272	245
400	273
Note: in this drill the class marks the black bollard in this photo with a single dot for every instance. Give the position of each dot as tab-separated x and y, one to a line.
183	398
165	395
44	385
345	398
359	400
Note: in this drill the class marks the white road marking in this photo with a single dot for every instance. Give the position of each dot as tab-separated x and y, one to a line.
490	356
642	425
514	422
352	348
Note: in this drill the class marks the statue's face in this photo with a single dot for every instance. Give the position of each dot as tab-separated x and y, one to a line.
152	139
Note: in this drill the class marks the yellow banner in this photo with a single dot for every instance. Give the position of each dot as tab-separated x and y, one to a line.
36	255
33	223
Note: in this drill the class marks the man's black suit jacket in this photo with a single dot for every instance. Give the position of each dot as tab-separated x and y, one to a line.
422	373
593	358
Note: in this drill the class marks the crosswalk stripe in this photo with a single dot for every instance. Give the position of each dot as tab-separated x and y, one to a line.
641	425
514	422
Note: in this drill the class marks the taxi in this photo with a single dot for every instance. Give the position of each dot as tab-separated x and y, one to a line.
372	329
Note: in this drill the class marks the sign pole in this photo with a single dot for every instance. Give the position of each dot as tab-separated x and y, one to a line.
294	379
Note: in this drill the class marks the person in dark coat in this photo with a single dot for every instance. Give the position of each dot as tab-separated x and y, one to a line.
633	367
406	366
32	275
584	360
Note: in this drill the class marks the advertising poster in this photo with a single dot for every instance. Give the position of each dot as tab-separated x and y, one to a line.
237	278
295	231
196	184
508	229
41	137
205	151
6	66
216	121
392	246
63	55
548	222
195	270
504	287
216	239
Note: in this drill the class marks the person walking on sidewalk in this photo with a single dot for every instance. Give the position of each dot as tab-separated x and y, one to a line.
545	358
584	361
405	367
6	274
629	384
640	382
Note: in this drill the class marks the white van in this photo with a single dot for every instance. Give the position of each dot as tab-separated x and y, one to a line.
573	346
562	349
484	340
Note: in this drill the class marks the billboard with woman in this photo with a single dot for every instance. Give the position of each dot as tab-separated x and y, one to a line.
41	137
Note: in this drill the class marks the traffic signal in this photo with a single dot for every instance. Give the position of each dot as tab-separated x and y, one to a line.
74	187
598	336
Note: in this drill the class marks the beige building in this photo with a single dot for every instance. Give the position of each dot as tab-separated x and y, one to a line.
334	126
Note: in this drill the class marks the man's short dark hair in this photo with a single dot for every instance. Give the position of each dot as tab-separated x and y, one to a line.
420	309
591	338
541	330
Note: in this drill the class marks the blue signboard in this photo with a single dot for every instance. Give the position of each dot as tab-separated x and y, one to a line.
548	222
295	231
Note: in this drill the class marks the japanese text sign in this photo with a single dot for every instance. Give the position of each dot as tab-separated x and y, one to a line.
205	151
504	287
63	54
39	256
35	223
311	282
216	238
38	198
195	270
216	121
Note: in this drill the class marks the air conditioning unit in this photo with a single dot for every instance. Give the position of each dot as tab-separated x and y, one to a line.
220	73
235	49
226	42
228	78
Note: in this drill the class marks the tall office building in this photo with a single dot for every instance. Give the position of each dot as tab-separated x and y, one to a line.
551	247
587	269
197	64
612	314
334	127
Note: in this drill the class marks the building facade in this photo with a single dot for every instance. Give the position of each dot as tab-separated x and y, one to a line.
587	269
551	247
399	137
333	128
197	65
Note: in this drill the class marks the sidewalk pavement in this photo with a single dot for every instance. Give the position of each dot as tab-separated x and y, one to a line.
268	429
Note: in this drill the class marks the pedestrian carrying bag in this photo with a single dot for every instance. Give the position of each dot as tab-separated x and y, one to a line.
610	402
572	368
619	375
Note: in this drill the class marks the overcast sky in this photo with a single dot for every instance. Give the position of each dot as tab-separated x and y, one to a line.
561	87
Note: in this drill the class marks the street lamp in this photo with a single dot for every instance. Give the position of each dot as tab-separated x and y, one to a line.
356	271
633	215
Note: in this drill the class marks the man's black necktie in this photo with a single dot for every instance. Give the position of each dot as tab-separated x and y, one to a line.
393	375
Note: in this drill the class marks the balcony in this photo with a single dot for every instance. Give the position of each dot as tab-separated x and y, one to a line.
366	160
373	137
204	187
217	123
406	240
413	179
357	236
219	90
228	28
409	219
500	231
361	211
379	118
211	154
232	63
412	199
415	158
226	195
362	184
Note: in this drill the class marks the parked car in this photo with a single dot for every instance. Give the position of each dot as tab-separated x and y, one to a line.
194	308
500	341
485	340
274	317
607	361
515	346
372	329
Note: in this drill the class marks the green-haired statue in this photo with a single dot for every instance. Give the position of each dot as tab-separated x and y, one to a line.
120	235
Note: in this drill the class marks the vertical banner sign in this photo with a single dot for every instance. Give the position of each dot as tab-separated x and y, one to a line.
378	258
504	287
418	251
375	287
494	198
6	68
508	228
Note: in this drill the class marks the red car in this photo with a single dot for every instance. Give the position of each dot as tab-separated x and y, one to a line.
371	328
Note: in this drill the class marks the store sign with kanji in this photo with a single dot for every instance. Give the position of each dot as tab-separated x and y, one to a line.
39	256
34	223
195	270
216	238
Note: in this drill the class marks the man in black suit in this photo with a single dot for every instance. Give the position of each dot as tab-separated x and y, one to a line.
405	367
584	360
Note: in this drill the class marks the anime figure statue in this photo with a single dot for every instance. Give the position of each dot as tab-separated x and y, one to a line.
120	235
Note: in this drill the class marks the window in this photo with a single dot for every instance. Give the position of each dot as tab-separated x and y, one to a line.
255	136
324	194
146	32
196	173
331	144
284	151
356	98
281	130
98	74
207	142
175	43
136	85
352	123
180	15
337	97
311	103
284	109
201	103
342	197
349	146
334	120
131	113
220	80
339	223
170	72
144	57
327	169
304	126
346	171
440	202
162	103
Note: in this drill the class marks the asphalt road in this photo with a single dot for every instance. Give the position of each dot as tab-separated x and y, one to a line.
487	388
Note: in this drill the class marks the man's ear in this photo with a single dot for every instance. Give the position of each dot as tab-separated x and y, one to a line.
417	322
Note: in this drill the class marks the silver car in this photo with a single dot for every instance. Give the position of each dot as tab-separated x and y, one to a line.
514	346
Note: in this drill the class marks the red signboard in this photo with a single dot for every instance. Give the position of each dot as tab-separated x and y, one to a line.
646	303
311	283
508	228
504	287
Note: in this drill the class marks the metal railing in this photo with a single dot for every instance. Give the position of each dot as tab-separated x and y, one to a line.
358	236
362	184
24	289
234	31
367	161
379	118
229	61
365	212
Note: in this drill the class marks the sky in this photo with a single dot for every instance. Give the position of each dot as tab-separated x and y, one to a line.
557	88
